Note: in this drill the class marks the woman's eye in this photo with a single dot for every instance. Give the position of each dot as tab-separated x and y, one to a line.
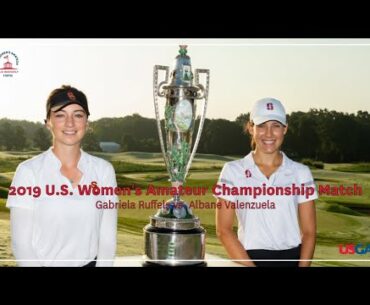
59	115
79	116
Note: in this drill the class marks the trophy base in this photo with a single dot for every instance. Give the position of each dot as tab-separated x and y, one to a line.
168	247
151	264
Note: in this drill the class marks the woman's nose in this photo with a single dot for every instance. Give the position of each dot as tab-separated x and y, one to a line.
268	131
69	121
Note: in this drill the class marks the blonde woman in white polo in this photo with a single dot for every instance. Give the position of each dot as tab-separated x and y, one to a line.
69	229
275	228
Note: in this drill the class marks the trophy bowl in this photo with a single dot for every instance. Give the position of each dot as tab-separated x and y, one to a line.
174	236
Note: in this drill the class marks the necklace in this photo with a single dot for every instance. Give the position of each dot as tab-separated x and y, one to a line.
72	177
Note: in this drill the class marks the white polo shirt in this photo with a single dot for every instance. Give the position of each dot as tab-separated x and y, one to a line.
65	227
260	227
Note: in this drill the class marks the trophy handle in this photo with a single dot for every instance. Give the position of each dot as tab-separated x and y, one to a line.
157	92
202	95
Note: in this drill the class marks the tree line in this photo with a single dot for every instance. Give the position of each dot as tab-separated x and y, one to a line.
318	134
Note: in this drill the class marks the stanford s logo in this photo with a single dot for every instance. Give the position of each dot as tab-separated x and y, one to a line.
270	106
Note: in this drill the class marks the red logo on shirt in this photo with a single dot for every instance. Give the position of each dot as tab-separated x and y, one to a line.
94	184
248	173
71	96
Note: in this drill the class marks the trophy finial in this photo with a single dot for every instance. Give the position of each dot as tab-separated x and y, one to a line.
183	50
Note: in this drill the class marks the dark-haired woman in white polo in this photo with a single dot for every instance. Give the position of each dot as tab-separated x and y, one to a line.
65	229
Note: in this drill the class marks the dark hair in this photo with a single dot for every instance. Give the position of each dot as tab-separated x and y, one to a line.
65	96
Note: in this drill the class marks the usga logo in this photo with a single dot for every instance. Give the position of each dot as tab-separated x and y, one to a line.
8	64
354	249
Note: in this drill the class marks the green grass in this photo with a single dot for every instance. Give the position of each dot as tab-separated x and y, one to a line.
3	192
201	161
3	209
338	208
354	168
5	180
127	167
340	220
22	154
334	178
9	165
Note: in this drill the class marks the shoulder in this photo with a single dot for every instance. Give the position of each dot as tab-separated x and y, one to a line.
233	166
302	171
32	164
29	169
101	164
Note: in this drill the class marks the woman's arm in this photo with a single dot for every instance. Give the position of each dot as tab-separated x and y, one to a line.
224	230
21	222
107	238
307	221
108	226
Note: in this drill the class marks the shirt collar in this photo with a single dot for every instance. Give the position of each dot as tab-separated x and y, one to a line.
54	161
250	164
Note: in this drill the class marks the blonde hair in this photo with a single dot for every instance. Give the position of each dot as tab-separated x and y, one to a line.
246	130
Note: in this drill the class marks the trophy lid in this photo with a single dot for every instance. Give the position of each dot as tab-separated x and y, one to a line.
182	74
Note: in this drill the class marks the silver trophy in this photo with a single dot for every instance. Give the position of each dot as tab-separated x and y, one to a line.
174	236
